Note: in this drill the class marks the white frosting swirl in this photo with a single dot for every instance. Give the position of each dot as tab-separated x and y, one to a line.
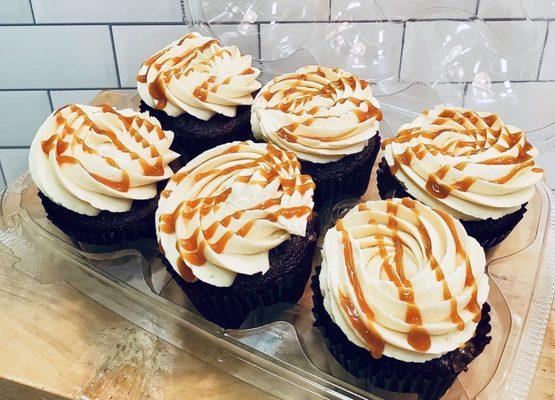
403	280
320	114
88	159
197	75
226	209
469	164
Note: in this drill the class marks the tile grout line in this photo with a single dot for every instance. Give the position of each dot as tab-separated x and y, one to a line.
259	41
477	8
32	11
15	147
114	54
3	175
50	101
401	52
543	50
329	10
154	23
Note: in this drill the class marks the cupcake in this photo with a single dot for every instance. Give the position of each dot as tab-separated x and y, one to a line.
400	297
98	170
236	230
329	119
201	90
466	163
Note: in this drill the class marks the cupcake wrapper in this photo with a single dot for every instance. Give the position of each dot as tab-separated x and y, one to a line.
89	234
229	310
348	183
194	136
430	380
489	232
194	146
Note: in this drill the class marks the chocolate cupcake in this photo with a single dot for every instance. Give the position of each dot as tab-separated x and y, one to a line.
466	163
329	119
236	229
201	90
400	298
98	169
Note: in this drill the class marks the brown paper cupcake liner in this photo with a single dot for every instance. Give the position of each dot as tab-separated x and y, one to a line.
430	379
194	136
489	232
348	177
284	282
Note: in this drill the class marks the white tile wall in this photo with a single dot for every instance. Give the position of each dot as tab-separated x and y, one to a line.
72	11
401	10
374	56
15	12
528	105
14	162
62	97
21	113
265	11
56	56
451	94
446	62
64	51
516	8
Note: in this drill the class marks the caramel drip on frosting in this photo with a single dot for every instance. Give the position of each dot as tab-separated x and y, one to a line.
474	135
387	238
273	164
304	88
131	125
182	65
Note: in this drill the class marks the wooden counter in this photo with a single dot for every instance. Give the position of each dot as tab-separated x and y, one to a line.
58	344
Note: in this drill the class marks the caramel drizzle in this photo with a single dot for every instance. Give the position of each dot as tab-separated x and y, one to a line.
368	332
489	133
434	264
275	164
57	141
417	336
473	306
182	65
299	95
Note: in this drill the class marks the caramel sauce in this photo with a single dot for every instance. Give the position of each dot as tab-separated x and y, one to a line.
473	305
368	333
156	88
152	170
419	338
436	188
440	277
515	170
179	176
464	184
49	143
184	271
195	245
372	112
121	185
244	230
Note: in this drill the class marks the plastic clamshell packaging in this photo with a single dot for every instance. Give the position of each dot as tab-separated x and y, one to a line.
278	350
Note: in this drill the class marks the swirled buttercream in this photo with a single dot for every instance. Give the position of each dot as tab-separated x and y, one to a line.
469	164
320	114
222	213
88	159
403	280
199	76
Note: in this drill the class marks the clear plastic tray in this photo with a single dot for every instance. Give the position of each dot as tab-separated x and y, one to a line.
464	60
278	350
